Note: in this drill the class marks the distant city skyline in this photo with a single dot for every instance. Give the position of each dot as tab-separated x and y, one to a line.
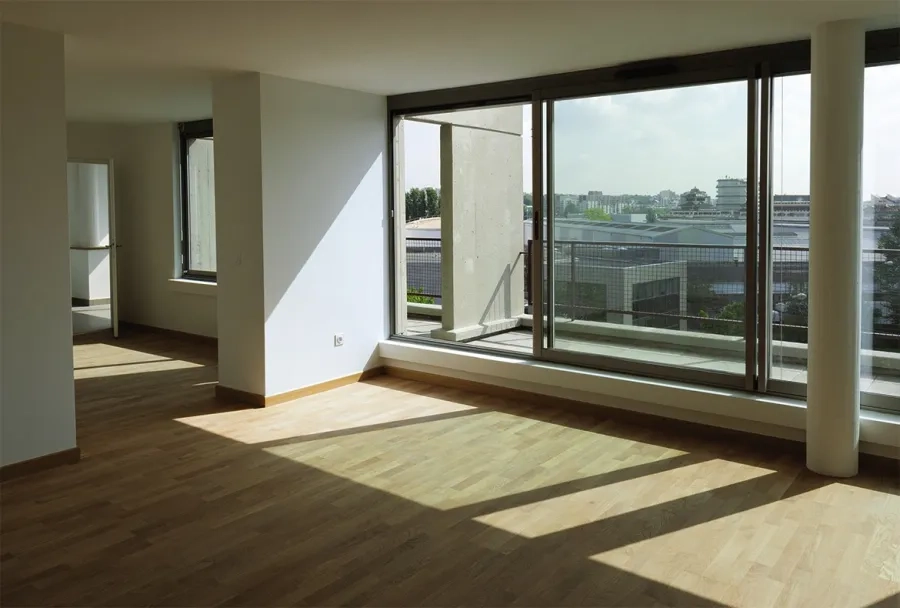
677	139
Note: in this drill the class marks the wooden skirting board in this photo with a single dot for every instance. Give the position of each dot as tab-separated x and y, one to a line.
256	400
41	463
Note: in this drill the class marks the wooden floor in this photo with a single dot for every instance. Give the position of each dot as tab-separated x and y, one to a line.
396	493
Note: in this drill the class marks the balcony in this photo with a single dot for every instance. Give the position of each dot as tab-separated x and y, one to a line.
674	305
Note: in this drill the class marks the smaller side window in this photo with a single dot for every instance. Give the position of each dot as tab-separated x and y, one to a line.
198	201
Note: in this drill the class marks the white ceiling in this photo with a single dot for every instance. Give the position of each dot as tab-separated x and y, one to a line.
134	60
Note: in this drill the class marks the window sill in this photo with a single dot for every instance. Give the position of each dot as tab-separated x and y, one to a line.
754	413
194	287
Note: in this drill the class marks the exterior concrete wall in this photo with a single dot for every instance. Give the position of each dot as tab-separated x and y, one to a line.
481	218
503	120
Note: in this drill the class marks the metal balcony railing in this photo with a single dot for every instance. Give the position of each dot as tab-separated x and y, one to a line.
680	286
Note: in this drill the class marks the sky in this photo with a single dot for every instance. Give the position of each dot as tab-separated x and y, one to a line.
676	139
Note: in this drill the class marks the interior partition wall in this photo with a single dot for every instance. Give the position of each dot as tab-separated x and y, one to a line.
641	278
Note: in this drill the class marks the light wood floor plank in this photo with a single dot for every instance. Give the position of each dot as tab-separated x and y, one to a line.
392	492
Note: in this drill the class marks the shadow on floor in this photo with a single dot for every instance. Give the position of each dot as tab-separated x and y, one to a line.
160	512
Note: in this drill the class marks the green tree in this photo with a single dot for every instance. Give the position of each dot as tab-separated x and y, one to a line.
651	216
414	296
887	269
432	202
415	204
571	209
423	202
732	312
598	215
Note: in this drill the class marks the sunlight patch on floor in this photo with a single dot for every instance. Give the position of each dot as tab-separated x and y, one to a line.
347	409
460	461
102	371
595	504
774	554
92	355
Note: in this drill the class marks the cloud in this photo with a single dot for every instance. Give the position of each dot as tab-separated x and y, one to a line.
675	139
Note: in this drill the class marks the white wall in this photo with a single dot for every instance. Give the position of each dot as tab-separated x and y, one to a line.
88	196
37	401
325	231
147	192
89	273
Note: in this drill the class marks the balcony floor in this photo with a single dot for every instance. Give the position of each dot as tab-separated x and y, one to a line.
520	341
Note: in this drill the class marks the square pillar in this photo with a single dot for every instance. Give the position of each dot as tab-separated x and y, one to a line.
37	395
301	225
482	247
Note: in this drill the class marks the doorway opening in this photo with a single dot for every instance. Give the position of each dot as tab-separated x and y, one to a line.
92	252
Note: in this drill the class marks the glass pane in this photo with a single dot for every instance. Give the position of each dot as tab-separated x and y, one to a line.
790	227
880	331
880	370
467	233
650	226
201	205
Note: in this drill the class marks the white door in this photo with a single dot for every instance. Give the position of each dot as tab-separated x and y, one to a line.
92	231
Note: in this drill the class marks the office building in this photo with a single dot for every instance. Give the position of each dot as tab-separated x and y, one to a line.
731	195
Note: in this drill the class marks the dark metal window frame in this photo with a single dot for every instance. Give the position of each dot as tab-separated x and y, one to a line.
761	63
187	131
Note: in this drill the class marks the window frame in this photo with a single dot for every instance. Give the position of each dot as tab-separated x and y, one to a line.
187	131
758	65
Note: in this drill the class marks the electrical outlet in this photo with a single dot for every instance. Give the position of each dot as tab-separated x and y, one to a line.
338	339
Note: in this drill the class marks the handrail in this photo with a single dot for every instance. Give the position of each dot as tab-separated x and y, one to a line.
662	245
650	245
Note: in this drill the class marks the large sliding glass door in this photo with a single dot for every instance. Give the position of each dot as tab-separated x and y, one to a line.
646	231
658	224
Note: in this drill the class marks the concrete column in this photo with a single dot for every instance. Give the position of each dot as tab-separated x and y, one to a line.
302	232
482	259
37	397
832	416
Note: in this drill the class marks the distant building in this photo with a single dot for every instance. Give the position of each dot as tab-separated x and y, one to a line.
794	206
694	199
731	195
631	218
883	209
667	198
